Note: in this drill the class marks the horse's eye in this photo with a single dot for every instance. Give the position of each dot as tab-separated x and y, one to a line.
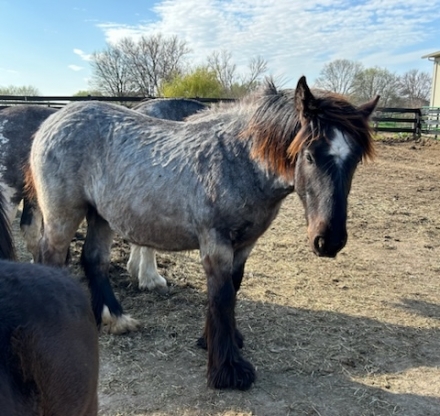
309	158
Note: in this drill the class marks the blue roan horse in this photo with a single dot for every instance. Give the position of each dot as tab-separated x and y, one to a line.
18	125
48	339
213	183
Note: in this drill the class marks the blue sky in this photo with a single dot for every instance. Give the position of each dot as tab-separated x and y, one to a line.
47	43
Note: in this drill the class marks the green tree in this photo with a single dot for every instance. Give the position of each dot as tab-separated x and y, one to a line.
27	90
86	93
200	83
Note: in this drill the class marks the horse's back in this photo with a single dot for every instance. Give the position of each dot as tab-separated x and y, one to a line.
17	127
48	339
176	109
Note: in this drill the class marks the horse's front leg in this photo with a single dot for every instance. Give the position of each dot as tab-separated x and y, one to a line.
240	257
226	367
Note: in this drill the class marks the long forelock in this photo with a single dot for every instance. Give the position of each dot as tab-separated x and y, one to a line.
336	113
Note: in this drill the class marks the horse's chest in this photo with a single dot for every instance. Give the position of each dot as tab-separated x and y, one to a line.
247	226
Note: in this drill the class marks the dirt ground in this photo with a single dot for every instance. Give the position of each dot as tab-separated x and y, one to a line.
356	335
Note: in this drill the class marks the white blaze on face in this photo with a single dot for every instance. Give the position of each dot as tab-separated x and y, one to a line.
339	148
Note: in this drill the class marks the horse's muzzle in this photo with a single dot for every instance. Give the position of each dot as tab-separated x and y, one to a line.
328	245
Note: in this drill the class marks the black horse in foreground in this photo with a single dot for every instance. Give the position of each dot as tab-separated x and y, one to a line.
48	339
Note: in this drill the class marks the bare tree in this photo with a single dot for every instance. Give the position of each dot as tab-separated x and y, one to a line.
221	63
138	67
111	73
415	88
155	59
257	67
377	81
339	76
235	85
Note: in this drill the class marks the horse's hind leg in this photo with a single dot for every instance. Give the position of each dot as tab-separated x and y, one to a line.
142	265
134	260
60	226
95	259
31	223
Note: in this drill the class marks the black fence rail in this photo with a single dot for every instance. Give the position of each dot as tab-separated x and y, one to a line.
398	120
413	121
60	101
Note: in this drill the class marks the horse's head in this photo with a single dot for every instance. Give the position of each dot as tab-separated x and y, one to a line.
334	137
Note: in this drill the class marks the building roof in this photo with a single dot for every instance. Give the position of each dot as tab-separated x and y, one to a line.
432	55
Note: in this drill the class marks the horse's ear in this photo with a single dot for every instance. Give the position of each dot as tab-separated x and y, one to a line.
305	102
368	108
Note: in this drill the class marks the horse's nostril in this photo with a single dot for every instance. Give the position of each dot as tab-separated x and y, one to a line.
319	243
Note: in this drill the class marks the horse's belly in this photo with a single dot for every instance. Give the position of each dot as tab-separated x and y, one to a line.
156	229
169	237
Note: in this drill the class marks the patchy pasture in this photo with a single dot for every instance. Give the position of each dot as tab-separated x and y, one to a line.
356	335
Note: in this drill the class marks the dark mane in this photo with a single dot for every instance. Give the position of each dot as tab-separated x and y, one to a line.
279	131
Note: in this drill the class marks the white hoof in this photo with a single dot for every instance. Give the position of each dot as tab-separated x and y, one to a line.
118	324
155	282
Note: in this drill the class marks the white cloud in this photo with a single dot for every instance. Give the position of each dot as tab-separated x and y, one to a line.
9	71
84	56
75	67
297	37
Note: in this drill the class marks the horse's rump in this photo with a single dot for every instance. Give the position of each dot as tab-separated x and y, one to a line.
48	341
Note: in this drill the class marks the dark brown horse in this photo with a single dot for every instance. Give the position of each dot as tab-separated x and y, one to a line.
48	339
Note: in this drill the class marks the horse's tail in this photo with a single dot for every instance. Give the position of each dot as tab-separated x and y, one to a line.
7	250
29	185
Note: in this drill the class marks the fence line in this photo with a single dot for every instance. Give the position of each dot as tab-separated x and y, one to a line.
415	121
431	120
398	120
60	101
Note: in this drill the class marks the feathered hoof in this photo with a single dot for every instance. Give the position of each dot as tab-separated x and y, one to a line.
118	324
160	289
239	374
158	284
